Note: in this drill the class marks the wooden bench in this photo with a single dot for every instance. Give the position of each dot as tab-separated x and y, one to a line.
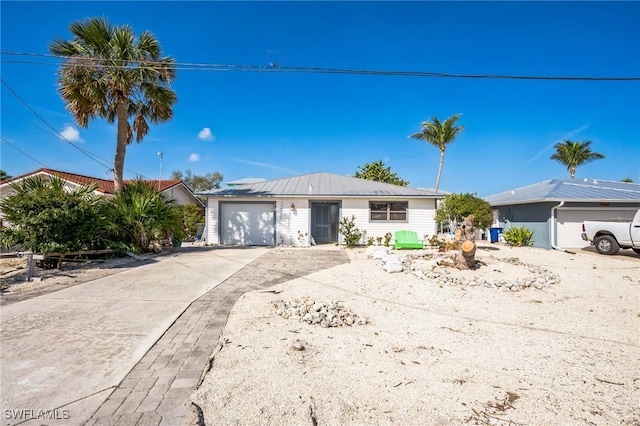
407	240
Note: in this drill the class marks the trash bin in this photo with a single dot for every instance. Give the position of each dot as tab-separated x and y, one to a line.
495	233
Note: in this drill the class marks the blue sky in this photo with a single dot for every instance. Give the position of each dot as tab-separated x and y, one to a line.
278	124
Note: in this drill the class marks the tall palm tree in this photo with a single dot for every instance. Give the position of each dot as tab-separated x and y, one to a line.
573	154
109	73
439	134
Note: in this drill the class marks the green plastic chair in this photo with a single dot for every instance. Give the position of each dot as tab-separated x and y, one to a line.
407	240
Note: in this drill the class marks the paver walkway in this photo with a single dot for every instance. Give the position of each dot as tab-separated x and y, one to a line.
157	390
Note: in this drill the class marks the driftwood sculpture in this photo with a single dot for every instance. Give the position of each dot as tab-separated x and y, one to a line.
466	258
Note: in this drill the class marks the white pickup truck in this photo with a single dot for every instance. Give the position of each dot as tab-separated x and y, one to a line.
609	237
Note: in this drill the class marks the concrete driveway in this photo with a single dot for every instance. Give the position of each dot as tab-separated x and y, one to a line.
63	353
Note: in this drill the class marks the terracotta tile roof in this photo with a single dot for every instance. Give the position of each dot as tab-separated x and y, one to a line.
105	186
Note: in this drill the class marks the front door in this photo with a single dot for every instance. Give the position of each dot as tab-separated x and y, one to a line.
324	221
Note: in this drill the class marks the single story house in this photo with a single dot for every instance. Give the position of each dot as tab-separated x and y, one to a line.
555	209
174	188
307	209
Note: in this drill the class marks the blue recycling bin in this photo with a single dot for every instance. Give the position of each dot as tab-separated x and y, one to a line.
495	233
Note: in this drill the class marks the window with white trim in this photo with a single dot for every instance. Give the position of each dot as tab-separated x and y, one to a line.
388	211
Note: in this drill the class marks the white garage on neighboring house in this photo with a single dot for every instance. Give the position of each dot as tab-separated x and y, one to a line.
555	209
307	209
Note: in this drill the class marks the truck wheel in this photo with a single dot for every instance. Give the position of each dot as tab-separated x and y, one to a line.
606	244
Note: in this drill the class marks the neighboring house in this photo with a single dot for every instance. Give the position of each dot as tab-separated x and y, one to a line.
245	181
304	209
175	189
555	209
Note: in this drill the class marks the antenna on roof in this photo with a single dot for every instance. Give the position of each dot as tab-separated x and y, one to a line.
159	154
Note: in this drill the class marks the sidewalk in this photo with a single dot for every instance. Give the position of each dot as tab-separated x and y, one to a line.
64	353
157	391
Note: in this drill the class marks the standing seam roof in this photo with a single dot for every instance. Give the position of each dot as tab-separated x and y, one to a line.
321	184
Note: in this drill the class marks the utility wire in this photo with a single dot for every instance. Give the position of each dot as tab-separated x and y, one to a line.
57	134
21	151
209	67
83	151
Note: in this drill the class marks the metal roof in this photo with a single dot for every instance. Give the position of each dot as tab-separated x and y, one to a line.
587	190
320	185
245	181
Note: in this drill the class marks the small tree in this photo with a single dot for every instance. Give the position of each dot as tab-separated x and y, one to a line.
44	217
456	207
627	180
352	235
198	182
190	218
379	173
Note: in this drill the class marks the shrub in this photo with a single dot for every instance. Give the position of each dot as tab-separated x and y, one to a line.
44	216
387	239
518	237
139	214
350	232
191	216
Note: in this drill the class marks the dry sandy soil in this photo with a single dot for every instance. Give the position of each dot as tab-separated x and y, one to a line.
429	354
15	288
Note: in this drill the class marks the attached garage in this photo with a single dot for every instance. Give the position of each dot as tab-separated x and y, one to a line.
554	210
570	222
247	223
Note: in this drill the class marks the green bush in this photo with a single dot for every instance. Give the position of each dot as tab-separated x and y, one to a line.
518	237
350	232
139	214
191	216
387	239
44	216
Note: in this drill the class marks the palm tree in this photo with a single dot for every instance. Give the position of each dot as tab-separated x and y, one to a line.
573	154
439	134
109	73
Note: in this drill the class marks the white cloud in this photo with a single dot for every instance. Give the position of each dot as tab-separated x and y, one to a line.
206	135
194	157
71	134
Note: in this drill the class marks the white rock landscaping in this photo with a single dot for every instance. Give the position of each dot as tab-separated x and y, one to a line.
324	314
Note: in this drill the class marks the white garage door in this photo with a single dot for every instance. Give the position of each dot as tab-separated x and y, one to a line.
570	223
251	224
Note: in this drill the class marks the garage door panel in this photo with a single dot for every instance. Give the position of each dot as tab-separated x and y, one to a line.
570	224
247	224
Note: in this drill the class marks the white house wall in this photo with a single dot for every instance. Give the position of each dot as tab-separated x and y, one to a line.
420	217
293	226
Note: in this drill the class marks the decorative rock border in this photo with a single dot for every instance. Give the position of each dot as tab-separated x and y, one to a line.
538	277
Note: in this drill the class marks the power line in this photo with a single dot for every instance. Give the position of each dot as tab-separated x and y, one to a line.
83	151
56	134
21	151
273	68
